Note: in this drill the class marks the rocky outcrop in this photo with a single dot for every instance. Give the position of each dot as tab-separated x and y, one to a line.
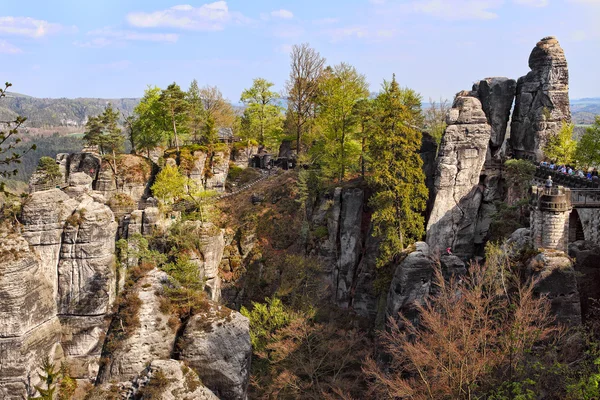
216	344
496	96
411	284
56	286
153	339
169	380
556	278
207	256
241	155
587	265
458	193
86	277
542	103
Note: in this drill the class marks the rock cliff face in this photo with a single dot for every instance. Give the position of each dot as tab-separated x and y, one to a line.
458	193
216	345
56	286
411	283
152	340
542	103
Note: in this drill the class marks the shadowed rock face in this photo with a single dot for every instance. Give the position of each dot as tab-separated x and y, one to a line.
496	96
411	283
542	103
556	278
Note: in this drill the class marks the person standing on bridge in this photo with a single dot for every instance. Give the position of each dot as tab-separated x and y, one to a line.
549	184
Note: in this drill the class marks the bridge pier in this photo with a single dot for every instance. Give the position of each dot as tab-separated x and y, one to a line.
549	218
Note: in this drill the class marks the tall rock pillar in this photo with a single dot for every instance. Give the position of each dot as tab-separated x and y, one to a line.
542	103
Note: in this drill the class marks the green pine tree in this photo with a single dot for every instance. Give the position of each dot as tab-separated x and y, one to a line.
396	173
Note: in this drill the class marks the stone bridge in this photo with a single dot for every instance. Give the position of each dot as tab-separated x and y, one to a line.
562	215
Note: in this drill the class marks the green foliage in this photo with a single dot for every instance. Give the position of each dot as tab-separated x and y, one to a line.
169	184
9	153
519	177
152	121
103	131
50	169
396	171
561	147
68	384
265	319
587	153
263	119
50	377
587	388
174	101
340	89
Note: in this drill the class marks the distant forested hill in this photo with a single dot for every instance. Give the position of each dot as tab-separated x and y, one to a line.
585	110
47	113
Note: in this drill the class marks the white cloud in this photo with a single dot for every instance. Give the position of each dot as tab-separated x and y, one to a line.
25	26
283	14
207	17
107	36
532	3
7	48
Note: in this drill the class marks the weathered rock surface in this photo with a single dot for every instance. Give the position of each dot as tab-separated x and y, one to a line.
542	103
411	283
496	96
458	195
556	278
175	382
152	340
86	279
56	286
587	264
216	344
208	255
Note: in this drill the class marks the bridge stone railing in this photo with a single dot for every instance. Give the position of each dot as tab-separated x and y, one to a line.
571	181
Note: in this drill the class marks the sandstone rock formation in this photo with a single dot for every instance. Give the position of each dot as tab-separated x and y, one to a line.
216	344
458	195
169	380
542	103
496	96
152	340
411	283
56	286
556	278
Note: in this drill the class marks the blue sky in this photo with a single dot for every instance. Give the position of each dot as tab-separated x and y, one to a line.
115	48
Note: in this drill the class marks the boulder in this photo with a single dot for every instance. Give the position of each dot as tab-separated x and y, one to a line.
216	344
587	264
542	102
556	278
411	283
169	380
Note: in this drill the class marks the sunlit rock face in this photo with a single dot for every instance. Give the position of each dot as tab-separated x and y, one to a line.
458	195
542	103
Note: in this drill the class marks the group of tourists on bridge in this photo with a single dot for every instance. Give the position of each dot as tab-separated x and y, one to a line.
591	174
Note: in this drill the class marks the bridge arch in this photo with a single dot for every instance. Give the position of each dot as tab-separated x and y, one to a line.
575	227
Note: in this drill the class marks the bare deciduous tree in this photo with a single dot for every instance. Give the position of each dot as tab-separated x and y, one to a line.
476	328
302	86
